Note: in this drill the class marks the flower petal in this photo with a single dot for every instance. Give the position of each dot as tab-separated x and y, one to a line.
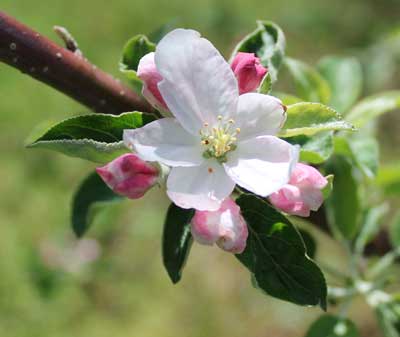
198	83
263	164
164	140
202	187
259	115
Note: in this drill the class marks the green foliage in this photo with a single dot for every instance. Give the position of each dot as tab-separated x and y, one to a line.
373	106
266	85
371	225
343	206
268	43
90	193
388	179
309	242
363	151
133	51
395	230
332	326
310	85
276	255
95	137
316	149
177	240
389	318
345	78
310	118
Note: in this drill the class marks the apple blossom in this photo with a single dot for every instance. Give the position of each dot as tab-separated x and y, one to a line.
148	73
225	227
217	138
129	176
302	193
248	71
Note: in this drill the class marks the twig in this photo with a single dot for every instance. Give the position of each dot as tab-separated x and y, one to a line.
42	59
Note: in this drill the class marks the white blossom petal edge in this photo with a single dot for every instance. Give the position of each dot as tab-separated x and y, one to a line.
218	138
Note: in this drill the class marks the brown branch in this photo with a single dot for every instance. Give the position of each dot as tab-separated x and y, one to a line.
68	72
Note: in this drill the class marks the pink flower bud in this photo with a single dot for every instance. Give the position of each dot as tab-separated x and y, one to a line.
303	192
225	227
148	73
129	176
248	71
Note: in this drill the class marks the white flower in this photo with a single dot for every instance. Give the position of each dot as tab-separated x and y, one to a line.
217	138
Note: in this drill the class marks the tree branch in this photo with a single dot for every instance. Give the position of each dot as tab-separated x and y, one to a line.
68	72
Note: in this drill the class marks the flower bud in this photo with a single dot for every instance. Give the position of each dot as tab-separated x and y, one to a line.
302	193
248	71
225	227
128	175
148	73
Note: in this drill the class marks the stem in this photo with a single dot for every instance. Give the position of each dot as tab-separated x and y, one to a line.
70	73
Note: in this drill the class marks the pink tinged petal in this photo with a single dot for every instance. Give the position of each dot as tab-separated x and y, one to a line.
128	175
248	71
303	192
201	187
225	227
288	199
198	83
259	115
307	176
148	73
165	141
262	165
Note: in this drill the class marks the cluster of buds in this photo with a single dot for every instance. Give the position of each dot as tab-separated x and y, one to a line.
130	176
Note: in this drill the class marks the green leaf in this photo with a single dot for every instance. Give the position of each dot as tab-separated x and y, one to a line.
309	242
177	240
327	190
310	118
310	85
343	205
362	150
266	85
370	227
394	230
315	149
332	326
95	137
276	255
388	178
90	193
389	318
373	106
133	51
287	99
345	78
268	43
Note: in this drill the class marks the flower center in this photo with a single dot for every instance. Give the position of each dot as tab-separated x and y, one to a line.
220	139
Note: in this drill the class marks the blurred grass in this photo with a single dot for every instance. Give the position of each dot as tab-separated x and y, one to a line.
126	291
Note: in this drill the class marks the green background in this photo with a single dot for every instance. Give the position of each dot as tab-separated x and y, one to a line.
44	289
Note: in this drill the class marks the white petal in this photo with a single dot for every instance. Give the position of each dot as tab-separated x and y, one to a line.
165	141
198	83
259	115
202	187
262	165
